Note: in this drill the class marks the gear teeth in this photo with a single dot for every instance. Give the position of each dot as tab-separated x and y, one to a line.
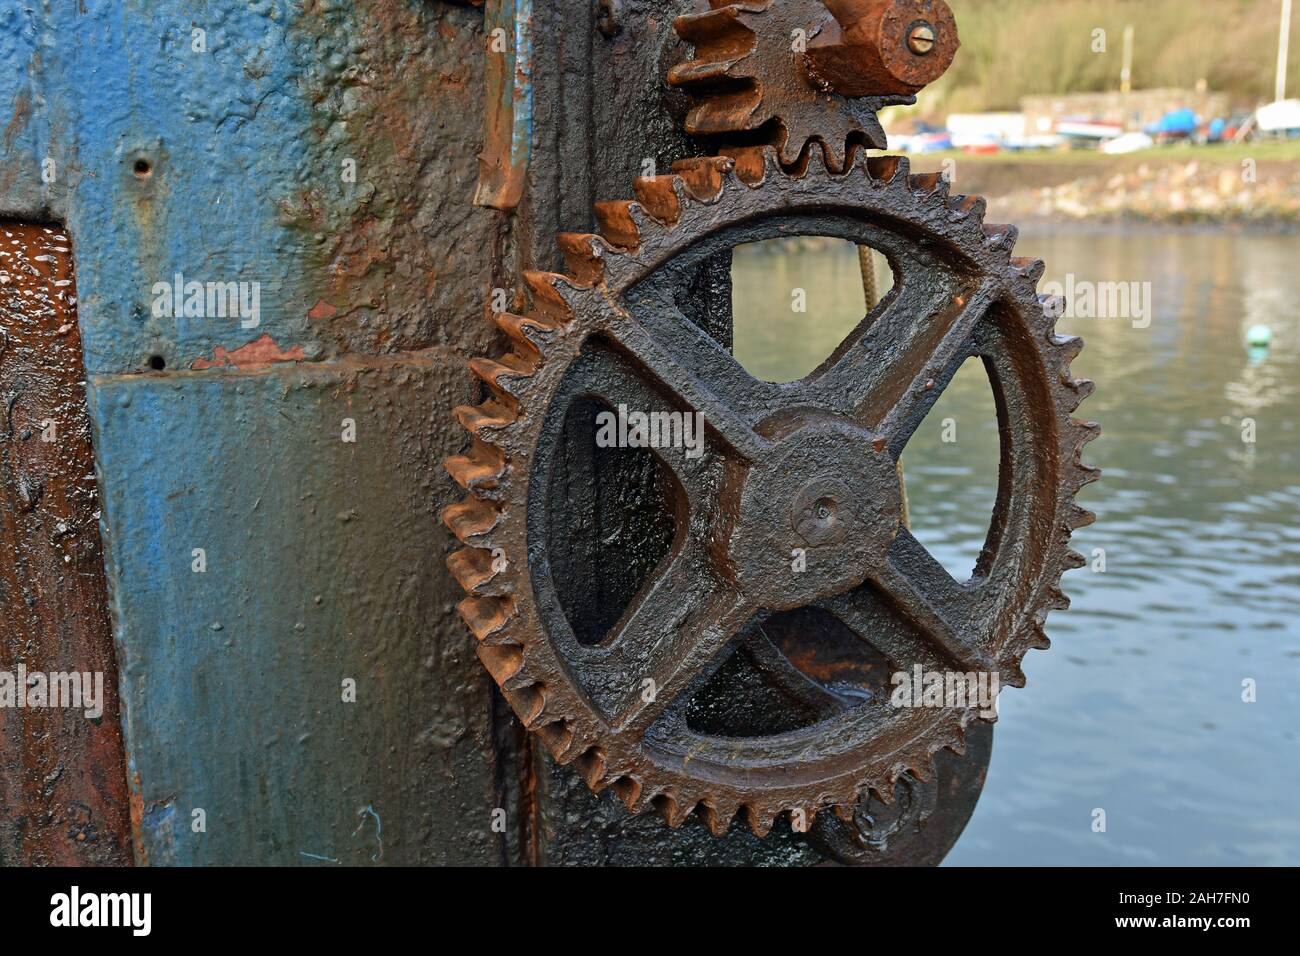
842	151
958	746
584	256
813	161
970	207
661	197
1052	307
701	72
1077	390
503	662
490	416
1087	473
1071	345
719	33
1077	518
528	700
753	164
1059	601
1000	236
928	184
796	166
1038	639
527	334
486	616
482	468
703	176
628	789
473	568
559	739
618	224
548	303
726	99
1029	268
471	519
718	820
503	375
674	811
1014	676
1074	560
1083	387
718	113
889	169
760	821
590	765
1080	389
852	152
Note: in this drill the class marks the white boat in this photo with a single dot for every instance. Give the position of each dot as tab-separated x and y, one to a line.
1278	117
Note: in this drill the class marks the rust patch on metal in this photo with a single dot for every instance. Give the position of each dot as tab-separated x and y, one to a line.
322	310
21	114
259	353
63	793
508	120
392	240
137	820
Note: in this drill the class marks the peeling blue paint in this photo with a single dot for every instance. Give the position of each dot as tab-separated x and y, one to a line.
317	553
509	118
217	155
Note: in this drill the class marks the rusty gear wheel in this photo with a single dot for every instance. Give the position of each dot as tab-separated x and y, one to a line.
808	464
800	71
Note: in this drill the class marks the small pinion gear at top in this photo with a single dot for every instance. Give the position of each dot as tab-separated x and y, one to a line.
793	72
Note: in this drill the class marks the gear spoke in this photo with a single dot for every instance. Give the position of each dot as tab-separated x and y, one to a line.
687	381
947	354
862	611
693	464
789	678
925	592
896	368
671	637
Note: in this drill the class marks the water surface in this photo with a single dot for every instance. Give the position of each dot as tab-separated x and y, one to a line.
1137	709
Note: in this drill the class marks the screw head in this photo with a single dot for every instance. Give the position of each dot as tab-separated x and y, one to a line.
920	39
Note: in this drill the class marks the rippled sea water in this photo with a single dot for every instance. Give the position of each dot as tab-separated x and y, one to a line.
1137	709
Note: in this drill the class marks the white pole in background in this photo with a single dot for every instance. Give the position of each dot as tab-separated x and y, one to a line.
1126	71
1283	43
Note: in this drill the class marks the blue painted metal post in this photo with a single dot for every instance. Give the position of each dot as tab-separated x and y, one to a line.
276	302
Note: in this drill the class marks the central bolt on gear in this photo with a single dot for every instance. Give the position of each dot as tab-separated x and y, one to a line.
809	464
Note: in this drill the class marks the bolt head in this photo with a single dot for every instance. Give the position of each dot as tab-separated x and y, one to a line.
920	39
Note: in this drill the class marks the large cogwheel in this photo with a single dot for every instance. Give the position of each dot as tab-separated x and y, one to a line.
804	468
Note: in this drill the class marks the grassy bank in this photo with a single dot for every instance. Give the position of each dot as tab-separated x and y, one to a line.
1015	48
